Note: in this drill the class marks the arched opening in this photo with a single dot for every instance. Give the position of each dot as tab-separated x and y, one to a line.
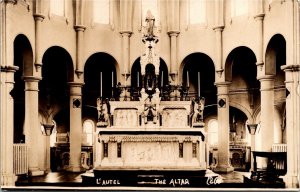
99	66
275	58
136	70
199	75
57	71
23	58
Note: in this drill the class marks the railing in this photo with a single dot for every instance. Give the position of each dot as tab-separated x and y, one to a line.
279	147
20	159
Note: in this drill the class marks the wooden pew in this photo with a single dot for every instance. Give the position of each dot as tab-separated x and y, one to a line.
276	166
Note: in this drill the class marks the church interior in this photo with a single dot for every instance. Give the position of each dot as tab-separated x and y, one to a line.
177	87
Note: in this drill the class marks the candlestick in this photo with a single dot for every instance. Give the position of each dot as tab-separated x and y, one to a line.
125	81
112	79
187	79
138	80
162	79
199	84
101	84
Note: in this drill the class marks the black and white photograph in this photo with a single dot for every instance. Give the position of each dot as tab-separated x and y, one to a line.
150	95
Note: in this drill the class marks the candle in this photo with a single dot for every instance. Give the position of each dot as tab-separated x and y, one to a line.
199	84
187	79
112	79
125	80
138	80
101	84
162	79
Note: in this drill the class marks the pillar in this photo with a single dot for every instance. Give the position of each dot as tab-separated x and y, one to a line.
173	46
259	18
75	127
267	112
126	56
32	127
79	49
292	124
219	42
38	19
6	119
223	128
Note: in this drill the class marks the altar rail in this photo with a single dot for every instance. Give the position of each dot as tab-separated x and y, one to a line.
20	159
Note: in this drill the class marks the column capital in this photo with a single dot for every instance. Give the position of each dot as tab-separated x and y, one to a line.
75	84
173	33
31	78
290	68
259	16
218	28
266	78
126	33
31	83
12	69
38	17
222	84
79	28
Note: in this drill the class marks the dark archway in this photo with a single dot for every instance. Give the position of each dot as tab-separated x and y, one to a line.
23	58
275	58
200	67
136	69
241	71
98	64
57	71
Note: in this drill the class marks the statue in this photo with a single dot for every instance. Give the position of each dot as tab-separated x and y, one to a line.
150	111
103	116
198	109
150	20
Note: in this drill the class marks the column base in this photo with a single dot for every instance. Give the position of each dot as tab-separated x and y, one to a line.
223	169
36	172
8	179
76	169
291	181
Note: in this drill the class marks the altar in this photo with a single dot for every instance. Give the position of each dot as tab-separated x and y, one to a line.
150	141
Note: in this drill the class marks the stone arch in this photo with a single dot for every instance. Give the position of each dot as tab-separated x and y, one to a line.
192	64
240	57
275	55
57	72
100	77
136	68
242	109
23	58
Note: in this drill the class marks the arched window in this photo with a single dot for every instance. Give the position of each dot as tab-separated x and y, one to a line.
57	7
101	11
151	5
213	132
197	11
239	7
88	130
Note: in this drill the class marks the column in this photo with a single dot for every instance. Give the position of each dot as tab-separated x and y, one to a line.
173	68
126	57
75	127
259	18
223	128
32	127
38	18
219	42
292	124
125	50
79	52
7	106
267	112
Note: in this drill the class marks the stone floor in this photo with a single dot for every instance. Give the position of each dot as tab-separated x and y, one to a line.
71	181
